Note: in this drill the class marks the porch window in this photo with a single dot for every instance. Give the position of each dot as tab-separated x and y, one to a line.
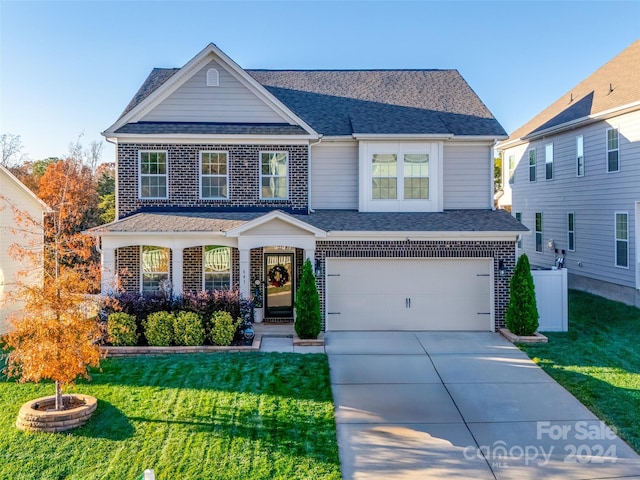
153	174
539	232
155	267
214	180
532	165
273	175
622	240
613	150
217	267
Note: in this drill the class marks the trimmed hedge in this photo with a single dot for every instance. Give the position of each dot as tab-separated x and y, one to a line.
188	329
158	328
121	328
223	328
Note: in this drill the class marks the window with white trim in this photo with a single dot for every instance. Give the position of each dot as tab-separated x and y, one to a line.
548	161
213	78
512	169
532	165
539	232
274	175
571	231
154	267
216	267
519	218
579	156
384	176
622	239
214	175
153	174
613	150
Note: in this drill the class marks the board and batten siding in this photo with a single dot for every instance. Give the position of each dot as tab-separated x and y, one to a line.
593	198
230	102
467	175
334	176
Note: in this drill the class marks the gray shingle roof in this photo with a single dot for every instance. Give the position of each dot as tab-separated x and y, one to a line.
206	128
344	102
327	220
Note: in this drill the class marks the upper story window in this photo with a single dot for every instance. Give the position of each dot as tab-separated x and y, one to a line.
416	175
548	161
384	176
622	239
512	168
214	176
213	79
153	174
539	232
613	150
532	165
154	268
579	156
571	232
217	268
274	175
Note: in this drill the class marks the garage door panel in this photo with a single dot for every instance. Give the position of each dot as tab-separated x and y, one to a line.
409	294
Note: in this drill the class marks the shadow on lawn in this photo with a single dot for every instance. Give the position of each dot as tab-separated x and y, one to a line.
107	422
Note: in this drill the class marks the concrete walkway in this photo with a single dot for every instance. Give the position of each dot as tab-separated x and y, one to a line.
279	338
461	405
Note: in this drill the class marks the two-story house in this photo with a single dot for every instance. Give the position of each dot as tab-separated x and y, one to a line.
574	175
229	177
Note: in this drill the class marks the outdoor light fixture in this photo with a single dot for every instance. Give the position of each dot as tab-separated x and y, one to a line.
501	268
318	269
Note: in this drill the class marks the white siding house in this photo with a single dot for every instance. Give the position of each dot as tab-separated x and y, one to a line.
576	181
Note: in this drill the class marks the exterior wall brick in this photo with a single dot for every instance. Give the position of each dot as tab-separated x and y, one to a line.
183	177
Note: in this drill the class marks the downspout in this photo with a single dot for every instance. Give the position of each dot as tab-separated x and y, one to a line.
309	209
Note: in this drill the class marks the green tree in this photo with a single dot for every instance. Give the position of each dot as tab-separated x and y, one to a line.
308	316
497	174
522	312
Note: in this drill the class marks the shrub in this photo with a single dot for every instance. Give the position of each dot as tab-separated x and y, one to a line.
158	328
121	328
223	328
522	313
188	329
308	316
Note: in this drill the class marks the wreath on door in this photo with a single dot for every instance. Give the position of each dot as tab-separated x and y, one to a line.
278	276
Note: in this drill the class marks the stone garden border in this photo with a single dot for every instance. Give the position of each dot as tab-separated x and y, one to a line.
42	419
147	350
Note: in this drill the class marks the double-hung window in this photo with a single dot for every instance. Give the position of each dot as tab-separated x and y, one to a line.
416	176
274	175
539	232
571	232
532	165
384	176
613	150
622	239
579	156
217	267
548	161
155	267
153	174
214	179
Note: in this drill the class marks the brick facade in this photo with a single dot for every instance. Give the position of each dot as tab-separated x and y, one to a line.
183	177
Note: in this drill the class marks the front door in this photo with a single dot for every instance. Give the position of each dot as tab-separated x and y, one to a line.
279	281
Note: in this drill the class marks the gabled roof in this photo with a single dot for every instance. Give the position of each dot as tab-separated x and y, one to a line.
352	102
615	86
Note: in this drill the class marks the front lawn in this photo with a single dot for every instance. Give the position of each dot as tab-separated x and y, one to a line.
598	360
226	415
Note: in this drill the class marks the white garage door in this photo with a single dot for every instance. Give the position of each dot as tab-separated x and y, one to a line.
409	294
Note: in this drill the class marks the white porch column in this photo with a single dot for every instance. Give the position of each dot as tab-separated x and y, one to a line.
177	270
245	272
310	254
108	263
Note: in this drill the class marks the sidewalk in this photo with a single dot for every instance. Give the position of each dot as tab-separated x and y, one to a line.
280	338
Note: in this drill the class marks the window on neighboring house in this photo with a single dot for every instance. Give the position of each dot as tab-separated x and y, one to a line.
613	150
416	176
213	78
214	175
217	267
571	232
512	168
519	218
153	174
539	232
622	240
384	177
155	267
580	156
273	175
548	161
532	165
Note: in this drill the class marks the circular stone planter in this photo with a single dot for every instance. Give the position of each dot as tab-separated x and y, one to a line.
38	415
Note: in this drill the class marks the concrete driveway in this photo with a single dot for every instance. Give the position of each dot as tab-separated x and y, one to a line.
461	405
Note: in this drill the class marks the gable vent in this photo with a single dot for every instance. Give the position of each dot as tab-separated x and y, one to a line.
213	79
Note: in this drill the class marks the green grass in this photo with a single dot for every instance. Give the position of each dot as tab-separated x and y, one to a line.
216	416
598	360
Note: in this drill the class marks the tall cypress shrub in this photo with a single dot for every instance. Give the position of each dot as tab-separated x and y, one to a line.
522	312
308	317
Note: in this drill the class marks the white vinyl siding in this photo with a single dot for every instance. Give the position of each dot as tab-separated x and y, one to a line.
274	175
334	176
548	161
153	168
613	150
532	165
571	231
214	175
622	239
230	102
580	156
467	176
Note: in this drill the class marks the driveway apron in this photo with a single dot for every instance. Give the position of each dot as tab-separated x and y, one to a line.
461	405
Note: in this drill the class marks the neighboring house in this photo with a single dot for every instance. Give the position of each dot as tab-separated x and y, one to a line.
576	183
21	223
382	178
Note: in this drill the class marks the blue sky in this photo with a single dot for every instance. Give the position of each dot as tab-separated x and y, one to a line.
68	68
